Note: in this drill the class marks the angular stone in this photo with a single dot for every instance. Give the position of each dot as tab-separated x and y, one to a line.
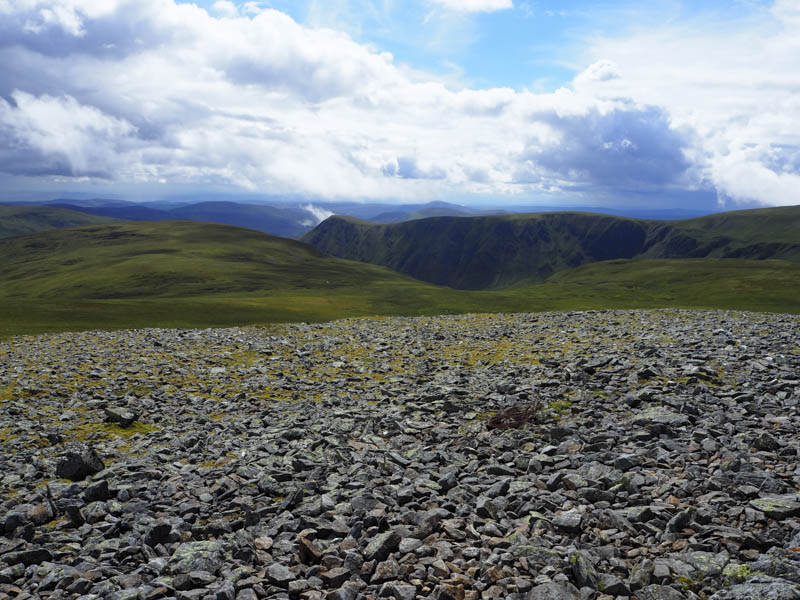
612	585
121	416
386	571
778	507
334	578
554	591
97	491
486	508
34	556
77	466
280	575
758	587
382	545
348	591
569	521
659	592
583	570
197	556
402	591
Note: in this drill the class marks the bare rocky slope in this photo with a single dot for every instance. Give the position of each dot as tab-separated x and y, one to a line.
352	460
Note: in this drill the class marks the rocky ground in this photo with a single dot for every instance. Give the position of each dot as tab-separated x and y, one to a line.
353	460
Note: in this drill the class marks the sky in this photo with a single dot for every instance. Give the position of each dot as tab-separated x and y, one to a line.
660	105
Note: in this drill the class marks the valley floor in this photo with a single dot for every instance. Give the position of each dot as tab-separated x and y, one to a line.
352	459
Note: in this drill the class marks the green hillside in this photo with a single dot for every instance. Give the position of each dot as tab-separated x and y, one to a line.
185	274
171	259
503	250
21	220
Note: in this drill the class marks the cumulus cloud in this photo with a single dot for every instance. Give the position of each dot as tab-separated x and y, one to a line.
225	8
62	131
475	5
734	83
621	147
602	70
151	90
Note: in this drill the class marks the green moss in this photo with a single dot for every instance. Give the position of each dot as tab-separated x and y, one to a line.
689	584
738	573
55	523
100	431
561	407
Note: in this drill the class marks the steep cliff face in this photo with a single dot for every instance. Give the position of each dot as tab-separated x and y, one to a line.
502	250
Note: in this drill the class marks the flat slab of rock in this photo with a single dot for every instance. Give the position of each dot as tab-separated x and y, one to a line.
759	587
778	507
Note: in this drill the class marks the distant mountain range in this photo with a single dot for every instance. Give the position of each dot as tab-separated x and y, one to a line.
499	251
21	219
292	220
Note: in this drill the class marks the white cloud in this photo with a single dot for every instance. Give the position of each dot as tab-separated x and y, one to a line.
475	5
253	8
602	70
318	213
151	90
225	8
734	83
81	136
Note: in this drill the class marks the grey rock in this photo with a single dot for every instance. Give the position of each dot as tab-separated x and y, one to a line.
659	592
760	586
554	591
583	570
197	556
79	465
34	556
568	521
97	491
120	416
334	578
346	592
382	545
280	575
778	507
681	520
612	585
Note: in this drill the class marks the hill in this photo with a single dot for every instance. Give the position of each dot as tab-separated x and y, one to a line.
499	251
289	222
20	220
186	274
412	212
176	259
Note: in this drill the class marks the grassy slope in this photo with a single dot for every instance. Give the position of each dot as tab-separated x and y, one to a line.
21	220
184	274
504	250
735	284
